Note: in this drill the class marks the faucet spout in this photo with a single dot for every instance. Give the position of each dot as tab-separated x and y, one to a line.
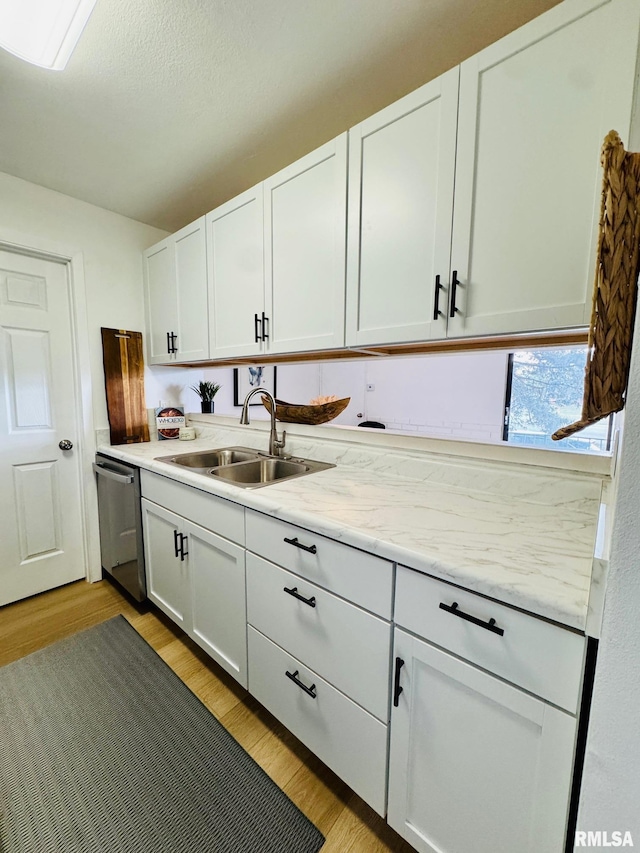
276	444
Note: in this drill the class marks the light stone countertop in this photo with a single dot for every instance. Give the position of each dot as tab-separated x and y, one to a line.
525	538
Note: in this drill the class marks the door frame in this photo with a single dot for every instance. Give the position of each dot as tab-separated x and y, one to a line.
73	259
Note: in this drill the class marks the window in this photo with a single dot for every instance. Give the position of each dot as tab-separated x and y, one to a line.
544	393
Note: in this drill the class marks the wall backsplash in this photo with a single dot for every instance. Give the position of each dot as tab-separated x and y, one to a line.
449	396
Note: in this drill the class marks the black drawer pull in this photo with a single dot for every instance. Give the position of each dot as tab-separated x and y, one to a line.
265	333
256	324
310	548
294	592
436	302
175	543
397	689
454	284
183	553
294	677
490	625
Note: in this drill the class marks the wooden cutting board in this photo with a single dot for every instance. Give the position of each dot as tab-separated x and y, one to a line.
124	383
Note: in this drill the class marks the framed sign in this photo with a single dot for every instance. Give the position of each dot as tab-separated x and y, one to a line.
245	379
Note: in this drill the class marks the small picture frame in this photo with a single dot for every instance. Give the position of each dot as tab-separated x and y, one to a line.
245	379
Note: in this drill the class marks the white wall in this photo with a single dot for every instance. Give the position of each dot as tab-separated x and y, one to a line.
111	246
452	396
610	798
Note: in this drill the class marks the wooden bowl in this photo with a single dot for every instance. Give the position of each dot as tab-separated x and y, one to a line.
289	413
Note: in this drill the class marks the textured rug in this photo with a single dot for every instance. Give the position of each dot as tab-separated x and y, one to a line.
103	748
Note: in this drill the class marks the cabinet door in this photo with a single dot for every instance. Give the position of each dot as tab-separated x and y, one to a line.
161	300
305	245
401	172
235	265
218	608
167	573
476	765
191	324
534	110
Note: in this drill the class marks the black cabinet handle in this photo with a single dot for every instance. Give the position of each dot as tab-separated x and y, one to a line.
397	689
265	320
175	543
436	301
490	625
294	592
310	548
308	690
174	338
183	553
256	328
169	350
454	285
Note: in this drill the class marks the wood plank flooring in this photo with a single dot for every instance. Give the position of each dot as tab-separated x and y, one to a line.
348	824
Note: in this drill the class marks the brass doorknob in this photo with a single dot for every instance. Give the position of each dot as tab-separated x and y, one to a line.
65	444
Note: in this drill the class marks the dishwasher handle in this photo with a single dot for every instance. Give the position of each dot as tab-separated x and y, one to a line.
103	471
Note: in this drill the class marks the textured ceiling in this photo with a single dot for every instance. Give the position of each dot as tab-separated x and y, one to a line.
170	107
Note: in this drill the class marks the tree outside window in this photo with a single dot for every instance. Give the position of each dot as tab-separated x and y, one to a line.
544	392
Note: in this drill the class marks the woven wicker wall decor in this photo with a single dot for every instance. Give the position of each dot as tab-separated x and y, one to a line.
615	288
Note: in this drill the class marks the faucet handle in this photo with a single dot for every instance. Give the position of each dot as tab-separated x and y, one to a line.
280	442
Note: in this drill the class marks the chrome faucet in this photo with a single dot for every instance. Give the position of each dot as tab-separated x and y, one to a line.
275	444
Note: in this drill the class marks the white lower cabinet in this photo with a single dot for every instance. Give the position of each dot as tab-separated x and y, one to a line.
349	740
318	655
476	765
461	731
218	610
167	574
194	575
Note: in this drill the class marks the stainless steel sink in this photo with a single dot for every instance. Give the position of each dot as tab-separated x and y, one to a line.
261	471
245	467
211	458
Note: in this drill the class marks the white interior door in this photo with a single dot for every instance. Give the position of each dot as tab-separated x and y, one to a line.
40	499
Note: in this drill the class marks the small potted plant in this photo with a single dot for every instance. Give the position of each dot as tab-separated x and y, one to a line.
206	391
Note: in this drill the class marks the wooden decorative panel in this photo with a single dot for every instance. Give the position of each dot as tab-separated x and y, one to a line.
124	383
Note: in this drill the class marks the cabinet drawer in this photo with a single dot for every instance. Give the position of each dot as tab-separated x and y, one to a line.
543	658
213	513
349	740
353	574
347	646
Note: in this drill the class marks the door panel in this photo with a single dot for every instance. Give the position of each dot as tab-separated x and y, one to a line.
167	574
162	300
401	172
218	605
235	265
191	292
534	110
305	248
40	503
466	743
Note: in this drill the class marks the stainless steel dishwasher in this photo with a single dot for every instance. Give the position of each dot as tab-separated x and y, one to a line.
120	518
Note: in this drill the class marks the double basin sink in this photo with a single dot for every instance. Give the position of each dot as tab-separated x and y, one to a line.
244	467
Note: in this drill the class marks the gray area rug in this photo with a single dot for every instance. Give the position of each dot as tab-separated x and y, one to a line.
103	748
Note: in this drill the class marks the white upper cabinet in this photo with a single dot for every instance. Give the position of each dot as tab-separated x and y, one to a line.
401	173
176	297
305	246
235	267
534	110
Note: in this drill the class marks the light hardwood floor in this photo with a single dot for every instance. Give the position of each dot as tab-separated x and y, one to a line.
347	823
